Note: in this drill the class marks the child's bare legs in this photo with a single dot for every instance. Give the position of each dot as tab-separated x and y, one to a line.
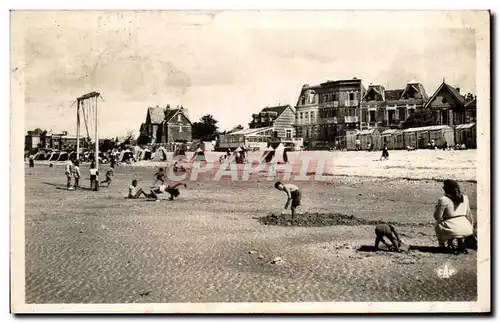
293	211
68	182
77	183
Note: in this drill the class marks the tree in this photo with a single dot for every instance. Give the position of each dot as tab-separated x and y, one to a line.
107	144
421	118
206	129
128	137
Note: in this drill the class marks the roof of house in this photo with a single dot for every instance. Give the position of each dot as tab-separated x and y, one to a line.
471	104
391	95
367	132
250	131
378	89
278	109
454	92
417	86
156	114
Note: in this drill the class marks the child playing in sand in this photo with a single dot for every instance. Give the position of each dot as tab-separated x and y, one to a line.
172	190
159	176
293	195
385	153
109	174
387	230
134	192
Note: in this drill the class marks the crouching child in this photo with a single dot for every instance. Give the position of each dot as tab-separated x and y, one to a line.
383	231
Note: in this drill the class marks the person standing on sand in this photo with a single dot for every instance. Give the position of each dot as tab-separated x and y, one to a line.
68	171
454	219
94	172
293	195
76	174
385	153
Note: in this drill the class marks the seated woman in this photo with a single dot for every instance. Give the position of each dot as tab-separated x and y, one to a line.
453	217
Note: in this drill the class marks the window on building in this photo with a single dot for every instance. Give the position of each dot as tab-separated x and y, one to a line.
312	115
180	128
411	111
372	116
301	115
351	96
275	134
289	134
179	117
302	100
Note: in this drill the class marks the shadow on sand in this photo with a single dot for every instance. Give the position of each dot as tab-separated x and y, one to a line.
425	249
59	187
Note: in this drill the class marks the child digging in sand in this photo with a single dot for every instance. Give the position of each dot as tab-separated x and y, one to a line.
388	231
293	195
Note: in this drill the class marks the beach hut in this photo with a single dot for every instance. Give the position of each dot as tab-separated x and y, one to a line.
388	137
267	155
398	140
41	155
421	136
369	137
466	134
145	154
199	155
63	156
349	141
160	154
125	156
54	156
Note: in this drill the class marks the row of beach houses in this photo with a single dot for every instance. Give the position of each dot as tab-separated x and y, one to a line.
342	113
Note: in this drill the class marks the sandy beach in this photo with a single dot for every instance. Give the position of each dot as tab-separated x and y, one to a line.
209	245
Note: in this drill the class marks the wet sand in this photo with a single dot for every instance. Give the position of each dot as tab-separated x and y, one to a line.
97	247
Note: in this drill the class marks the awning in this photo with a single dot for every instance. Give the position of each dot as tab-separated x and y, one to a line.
465	126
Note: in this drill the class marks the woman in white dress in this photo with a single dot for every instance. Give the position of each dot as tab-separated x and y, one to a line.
452	214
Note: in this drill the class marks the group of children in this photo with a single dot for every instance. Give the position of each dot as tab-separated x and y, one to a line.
135	192
72	171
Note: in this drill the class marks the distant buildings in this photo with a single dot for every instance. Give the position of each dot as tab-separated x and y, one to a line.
388	109
166	125
330	111
47	140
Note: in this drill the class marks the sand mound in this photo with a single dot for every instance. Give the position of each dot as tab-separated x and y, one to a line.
324	220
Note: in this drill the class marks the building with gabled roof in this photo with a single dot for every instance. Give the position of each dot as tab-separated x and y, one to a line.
166	125
447	105
281	118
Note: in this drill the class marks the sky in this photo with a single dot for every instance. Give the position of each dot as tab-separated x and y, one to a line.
210	62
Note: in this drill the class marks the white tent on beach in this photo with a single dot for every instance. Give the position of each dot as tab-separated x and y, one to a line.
145	154
160	154
54	156
276	155
125	156
63	156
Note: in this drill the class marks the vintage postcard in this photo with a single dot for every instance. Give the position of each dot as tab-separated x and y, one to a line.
250	161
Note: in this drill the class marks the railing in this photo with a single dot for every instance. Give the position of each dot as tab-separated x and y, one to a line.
351	119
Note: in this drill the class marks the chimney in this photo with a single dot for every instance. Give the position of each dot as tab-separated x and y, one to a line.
458	89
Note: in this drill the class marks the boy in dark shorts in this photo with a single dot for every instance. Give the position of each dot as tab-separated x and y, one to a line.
109	174
388	231
159	176
293	194
134	192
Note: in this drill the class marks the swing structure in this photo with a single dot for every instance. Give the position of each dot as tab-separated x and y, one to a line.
87	103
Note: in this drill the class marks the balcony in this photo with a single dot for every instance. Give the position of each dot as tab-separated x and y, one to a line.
328	120
351	119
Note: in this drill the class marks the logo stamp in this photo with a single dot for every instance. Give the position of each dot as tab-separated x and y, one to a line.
446	271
